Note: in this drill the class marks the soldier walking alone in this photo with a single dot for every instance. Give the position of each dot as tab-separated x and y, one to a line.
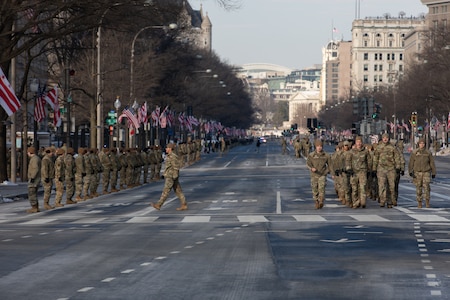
171	177
422	168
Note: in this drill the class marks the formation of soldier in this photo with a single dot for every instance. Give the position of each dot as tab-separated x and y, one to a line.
371	171
80	175
302	147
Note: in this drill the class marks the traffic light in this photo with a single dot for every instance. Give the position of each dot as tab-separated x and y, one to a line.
414	119
111	130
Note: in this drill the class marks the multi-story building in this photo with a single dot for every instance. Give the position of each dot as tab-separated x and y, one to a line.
336	72
378	50
197	27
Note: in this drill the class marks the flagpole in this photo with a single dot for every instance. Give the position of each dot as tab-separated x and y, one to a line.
12	134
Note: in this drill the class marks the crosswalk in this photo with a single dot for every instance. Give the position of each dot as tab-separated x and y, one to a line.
230	218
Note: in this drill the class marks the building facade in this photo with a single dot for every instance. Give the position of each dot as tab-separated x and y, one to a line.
378	50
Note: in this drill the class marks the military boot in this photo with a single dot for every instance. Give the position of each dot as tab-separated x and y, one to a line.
427	203
33	209
70	201
48	206
183	207
317	205
419	204
58	204
78	198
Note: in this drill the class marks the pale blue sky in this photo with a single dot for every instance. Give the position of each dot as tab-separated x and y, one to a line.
290	33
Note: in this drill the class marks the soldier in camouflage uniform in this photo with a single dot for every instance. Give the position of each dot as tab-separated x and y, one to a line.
34	179
146	162
60	173
360	162
306	146
319	164
70	168
421	168
386	162
123	169
130	168
159	160
98	171
47	175
398	147
115	169
171	176
138	168
80	173
337	167
297	147
152	161
87	180
346	174
106	167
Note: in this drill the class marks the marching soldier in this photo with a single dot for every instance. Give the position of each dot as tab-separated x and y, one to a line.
422	168
386	162
115	168
319	164
80	173
60	172
359	162
34	179
70	168
106	167
47	173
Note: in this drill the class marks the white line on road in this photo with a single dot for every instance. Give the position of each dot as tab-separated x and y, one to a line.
278	202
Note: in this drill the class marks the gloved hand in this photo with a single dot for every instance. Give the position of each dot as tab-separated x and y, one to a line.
47	180
31	180
374	173
336	172
350	172
397	171
412	175
60	179
402	173
433	176
83	174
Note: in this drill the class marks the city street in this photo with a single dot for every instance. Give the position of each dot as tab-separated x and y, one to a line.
251	232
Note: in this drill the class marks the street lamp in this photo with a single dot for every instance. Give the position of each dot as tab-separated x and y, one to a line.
171	26
34	88
117	105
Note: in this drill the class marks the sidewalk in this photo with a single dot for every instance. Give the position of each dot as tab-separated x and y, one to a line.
10	190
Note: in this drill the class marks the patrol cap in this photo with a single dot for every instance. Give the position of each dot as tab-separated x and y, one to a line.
60	151
70	150
385	135
48	150
358	138
421	140
346	143
32	150
318	142
170	145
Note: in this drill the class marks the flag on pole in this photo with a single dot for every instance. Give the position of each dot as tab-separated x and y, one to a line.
142	117
52	100
448	121
163	118
8	99
155	116
129	112
39	105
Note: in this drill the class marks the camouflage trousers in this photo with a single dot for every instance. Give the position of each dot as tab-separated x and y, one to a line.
59	186
358	182
145	173
106	177
422	182
86	185
113	181
129	177
386	182
47	190
78	185
123	176
346	188
70	188
174	184
32	195
318	184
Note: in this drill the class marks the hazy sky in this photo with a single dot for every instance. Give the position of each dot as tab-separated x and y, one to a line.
290	33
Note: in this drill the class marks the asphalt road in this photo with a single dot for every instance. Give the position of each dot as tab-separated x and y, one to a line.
251	232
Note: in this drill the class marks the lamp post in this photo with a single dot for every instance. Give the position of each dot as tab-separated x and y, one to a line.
34	88
171	26
117	105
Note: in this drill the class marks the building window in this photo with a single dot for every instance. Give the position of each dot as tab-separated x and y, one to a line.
366	67
380	78
388	56
381	56
393	56
378	43
400	68
375	67
400	56
365	43
366	56
366	78
376	56
381	68
375	78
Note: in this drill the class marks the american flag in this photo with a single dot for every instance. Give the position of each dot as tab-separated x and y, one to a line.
448	121
52	99
8	99
405	126
155	116
129	112
29	13
143	118
163	117
39	105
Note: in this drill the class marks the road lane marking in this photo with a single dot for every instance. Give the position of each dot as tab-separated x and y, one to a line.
278	202
142	220
428	218
309	218
89	220
369	218
196	219
38	221
252	219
